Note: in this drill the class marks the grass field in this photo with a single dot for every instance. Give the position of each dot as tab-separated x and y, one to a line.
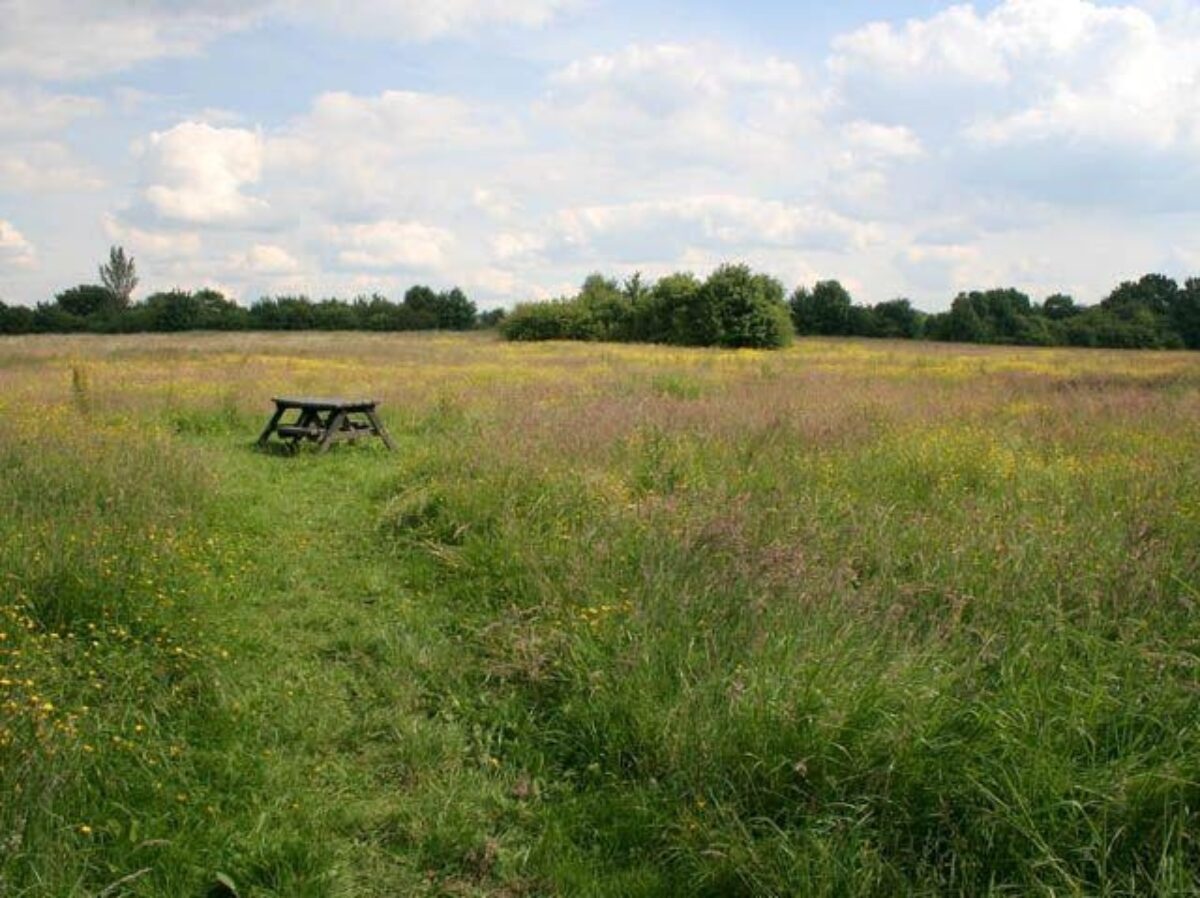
855	618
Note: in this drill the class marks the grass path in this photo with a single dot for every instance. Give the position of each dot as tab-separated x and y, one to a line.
324	640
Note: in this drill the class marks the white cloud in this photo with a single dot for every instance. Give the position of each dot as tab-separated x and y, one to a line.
364	156
74	39
15	250
265	259
422	20
700	102
1035	70
159	245
43	167
392	244
940	268
196	173
32	111
509	245
870	141
66	39
728	221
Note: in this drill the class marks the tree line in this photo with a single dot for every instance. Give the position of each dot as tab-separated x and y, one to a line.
96	309
738	307
733	307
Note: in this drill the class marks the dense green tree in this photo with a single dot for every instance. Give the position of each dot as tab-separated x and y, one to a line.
455	311
492	318
1151	293
87	300
15	319
825	310
662	312
1059	307
119	275
737	308
1185	313
897	319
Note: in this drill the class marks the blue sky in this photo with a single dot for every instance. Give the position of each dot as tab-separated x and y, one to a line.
512	146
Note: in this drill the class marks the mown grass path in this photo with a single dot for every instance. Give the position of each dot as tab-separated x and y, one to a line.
324	640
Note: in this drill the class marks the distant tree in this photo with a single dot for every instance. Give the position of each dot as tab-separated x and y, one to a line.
492	318
661	315
737	308
825	310
454	311
87	300
119	275
1185	313
174	310
15	319
420	308
1059	307
897	318
1152	293
607	309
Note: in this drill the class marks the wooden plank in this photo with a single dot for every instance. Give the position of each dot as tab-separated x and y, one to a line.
334	425
294	430
379	430
325	403
270	428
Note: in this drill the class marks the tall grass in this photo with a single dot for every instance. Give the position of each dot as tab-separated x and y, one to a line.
946	658
848	619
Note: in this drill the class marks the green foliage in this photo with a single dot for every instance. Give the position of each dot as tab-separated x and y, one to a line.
734	308
119	275
492	318
87	300
825	310
16	319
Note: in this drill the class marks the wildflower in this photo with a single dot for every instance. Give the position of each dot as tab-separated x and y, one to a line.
84	829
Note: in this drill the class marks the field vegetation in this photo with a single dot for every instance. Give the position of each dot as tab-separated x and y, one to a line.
849	618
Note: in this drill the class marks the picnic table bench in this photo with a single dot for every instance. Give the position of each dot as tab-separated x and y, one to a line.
325	421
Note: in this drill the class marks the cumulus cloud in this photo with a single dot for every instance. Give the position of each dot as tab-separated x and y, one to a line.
25	111
265	259
15	250
697	101
731	222
197	173
159	245
68	39
369	154
73	39
43	166
1034	70
428	19
392	244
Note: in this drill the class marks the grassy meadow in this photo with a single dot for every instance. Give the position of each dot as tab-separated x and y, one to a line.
854	618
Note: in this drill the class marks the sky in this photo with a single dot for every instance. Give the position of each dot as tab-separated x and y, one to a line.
511	147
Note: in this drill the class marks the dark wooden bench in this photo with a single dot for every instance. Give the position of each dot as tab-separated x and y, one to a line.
325	421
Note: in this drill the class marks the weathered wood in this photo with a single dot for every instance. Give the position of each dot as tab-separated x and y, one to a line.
295	430
325	404
325	421
335	425
379	430
270	428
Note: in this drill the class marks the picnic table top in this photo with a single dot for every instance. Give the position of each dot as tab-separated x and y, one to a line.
324	402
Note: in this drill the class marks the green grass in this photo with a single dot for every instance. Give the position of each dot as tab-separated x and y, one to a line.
677	629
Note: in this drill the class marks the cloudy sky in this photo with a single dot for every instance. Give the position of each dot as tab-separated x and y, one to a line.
908	148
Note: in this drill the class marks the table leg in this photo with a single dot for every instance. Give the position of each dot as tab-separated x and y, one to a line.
271	425
379	430
332	427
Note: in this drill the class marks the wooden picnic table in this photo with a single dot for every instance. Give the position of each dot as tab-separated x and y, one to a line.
325	421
